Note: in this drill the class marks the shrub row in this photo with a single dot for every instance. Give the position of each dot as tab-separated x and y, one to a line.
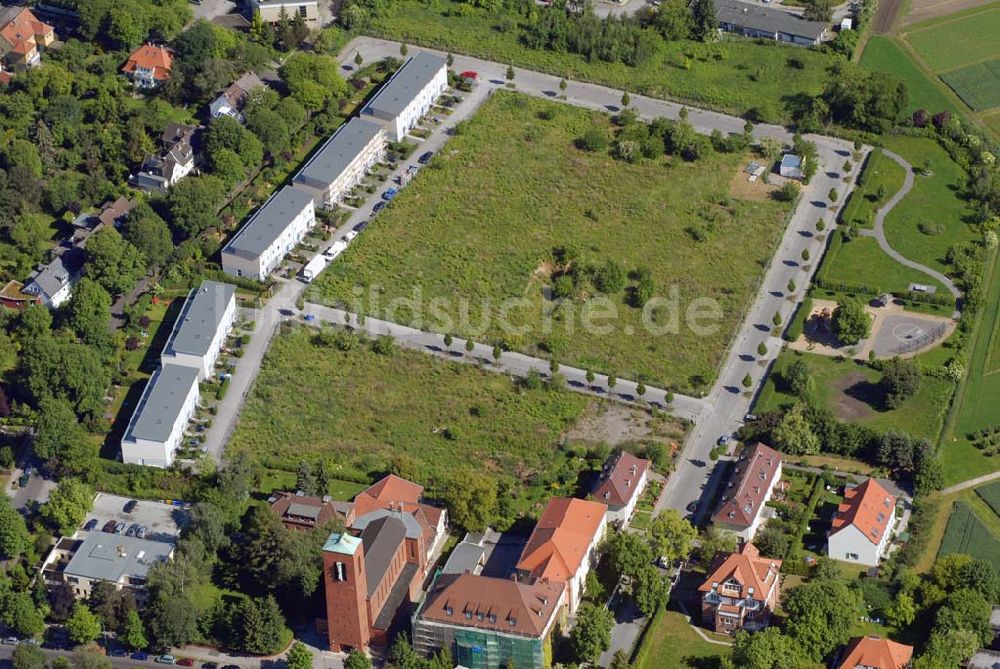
843	287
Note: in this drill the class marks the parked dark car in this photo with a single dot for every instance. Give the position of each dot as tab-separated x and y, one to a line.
185	662
360	226
130	506
425	157
142	656
209	665
379	206
91	525
117	652
109	527
132	530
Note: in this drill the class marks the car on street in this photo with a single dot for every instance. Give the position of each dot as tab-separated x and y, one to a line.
185	662
130	506
117	652
10	641
350	235
141	532
109	527
360	226
231	666
132	530
379	206
119	528
209	665
724	440
390	193
91	525
425	157
749	418
139	655
166	658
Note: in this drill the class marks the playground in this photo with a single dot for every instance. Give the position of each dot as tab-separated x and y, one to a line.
894	332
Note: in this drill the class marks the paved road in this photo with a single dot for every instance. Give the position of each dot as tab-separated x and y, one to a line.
879	231
510	362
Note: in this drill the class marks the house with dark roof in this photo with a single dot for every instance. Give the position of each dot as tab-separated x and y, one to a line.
23	38
52	284
563	546
231	101
622	482
408	94
305	513
374	569
862	529
750	487
741	591
114	213
763	22
874	652
487	622
161	171
149	66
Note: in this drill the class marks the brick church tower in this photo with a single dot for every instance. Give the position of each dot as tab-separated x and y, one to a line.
346	593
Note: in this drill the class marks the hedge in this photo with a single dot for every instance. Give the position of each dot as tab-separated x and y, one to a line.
798	322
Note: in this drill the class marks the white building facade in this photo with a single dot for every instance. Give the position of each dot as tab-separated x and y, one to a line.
201	328
409	94
157	427
270	234
342	161
861	531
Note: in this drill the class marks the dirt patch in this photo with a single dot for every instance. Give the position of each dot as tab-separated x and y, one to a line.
921	10
742	188
854	398
616	424
885	16
543	272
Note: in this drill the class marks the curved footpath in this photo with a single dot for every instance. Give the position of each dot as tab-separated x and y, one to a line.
879	231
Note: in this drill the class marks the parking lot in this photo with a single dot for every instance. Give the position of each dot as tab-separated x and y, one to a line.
163	521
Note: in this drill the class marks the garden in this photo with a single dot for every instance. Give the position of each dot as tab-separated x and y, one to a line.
527	204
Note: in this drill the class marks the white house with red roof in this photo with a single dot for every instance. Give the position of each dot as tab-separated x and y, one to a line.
750	486
874	652
621	484
741	591
563	546
149	66
862	528
22	39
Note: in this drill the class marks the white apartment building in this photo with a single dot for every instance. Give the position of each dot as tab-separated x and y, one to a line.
270	10
201	328
157	426
862	529
270	234
409	93
342	161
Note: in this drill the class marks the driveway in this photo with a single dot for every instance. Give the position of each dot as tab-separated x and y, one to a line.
209	9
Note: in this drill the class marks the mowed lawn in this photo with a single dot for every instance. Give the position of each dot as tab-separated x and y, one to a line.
737	76
862	261
933	201
880	172
949	44
365	413
483	224
850	390
883	54
670	642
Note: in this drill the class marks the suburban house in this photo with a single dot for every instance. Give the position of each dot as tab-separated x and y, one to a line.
201	328
52	284
114	213
165	407
271	11
763	22
375	568
791	166
861	530
622	481
122	558
487	621
149	66
750	486
159	172
873	652
304	513
342	161
562	547
230	102
23	38
408	94
741	591
270	234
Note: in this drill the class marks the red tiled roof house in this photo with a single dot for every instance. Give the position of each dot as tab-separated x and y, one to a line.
22	38
149	66
862	528
562	548
741	591
749	489
873	652
621	485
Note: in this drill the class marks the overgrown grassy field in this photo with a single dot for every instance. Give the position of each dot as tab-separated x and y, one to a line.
882	54
990	494
933	202
966	533
978	85
880	172
734	76
850	390
862	261
949	44
483	225
993	123
410	413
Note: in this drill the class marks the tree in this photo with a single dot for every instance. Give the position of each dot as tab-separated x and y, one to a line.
19	613
650	590
510	73
14	537
819	10
640	389
610	278
670	535
673	20
851	323
171	617
313	79
797	377
134	632
470	346
357	659
447	341
82	625
628	554
626	100
553	366
821	615
563	85
299	656
113	262
590	376
620	660
87	658
193	203
900	381
612	381
28	656
794	434
89	311
768	649
979	575
903	611
271	128
761	349
68	505
497	352
747	380
304	480
471	499
704	20
776	319
591	635
965	609
593	139
149	233
261	625
358	59
948	649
